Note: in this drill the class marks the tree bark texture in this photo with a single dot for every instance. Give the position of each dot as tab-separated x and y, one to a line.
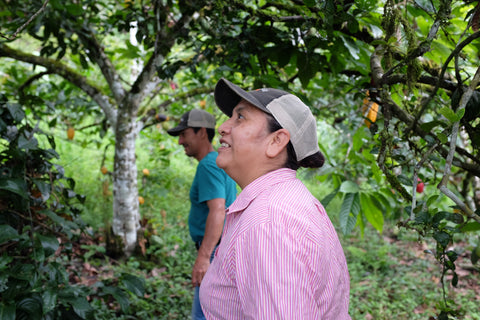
126	216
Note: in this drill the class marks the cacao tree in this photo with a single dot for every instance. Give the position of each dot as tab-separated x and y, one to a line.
72	47
414	64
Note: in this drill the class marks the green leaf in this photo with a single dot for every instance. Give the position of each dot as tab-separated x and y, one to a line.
16	111
32	306
460	113
352	48
7	311
17	186
442	137
455	279
49	300
471	226
349	212
134	284
74	9
81	307
432	200
27	143
43	187
49	244
449	114
349	187
428	126
59	220
373	213
442	238
475	255
119	295
7	233
325	201
405	180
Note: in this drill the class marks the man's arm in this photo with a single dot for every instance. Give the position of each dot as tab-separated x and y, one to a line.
213	232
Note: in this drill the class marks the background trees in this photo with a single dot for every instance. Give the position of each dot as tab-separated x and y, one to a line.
121	67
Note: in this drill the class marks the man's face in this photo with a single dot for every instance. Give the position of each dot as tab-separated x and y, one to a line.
243	142
189	140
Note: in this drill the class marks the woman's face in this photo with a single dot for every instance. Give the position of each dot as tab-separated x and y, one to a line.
243	143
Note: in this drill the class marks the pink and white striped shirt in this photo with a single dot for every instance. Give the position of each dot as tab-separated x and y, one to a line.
280	257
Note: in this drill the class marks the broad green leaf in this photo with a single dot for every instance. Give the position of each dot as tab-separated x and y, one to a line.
358	140
119	295
23	271
134	284
475	255
7	311
460	113
74	9
17	186
449	114
352	48
49	244
471	226
428	126
349	212
404	180
432	200
7	233
372	212
59	220
16	111
32	306
325	201
442	137
43	187
455	279
349	187
25	143
81	307
49	297
442	238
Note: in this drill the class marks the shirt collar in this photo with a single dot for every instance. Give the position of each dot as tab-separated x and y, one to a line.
256	187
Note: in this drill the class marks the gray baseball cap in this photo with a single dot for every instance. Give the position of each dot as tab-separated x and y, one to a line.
194	118
290	112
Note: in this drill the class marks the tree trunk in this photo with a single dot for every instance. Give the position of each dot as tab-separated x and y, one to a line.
126	215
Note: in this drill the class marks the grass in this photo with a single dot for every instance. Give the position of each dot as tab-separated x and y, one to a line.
391	275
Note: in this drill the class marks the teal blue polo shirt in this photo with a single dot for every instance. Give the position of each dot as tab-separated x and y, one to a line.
210	182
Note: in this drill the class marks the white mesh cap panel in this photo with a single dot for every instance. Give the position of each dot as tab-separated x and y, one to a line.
201	119
296	117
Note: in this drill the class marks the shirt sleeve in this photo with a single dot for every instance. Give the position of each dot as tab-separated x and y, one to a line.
212	182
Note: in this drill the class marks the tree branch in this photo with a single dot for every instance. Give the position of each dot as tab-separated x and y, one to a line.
97	54
12	37
454	53
453	142
68	74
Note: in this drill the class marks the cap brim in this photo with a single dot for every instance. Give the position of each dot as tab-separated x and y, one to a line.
177	130
228	95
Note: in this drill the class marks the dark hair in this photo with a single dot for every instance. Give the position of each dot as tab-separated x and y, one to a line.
210	132
315	160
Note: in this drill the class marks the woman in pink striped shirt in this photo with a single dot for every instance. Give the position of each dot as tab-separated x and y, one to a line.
280	257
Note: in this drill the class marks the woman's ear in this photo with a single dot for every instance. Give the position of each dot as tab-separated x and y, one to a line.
278	143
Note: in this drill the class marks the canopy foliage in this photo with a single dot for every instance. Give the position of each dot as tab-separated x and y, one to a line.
397	82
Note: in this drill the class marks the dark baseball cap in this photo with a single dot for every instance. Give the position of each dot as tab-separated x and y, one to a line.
290	112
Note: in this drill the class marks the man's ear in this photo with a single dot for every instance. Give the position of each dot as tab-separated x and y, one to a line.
202	132
278	142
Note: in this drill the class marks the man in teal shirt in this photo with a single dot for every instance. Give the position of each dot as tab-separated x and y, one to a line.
211	192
